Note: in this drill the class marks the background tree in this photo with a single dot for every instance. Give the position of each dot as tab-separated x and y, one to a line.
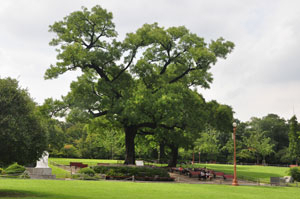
208	144
257	142
22	137
130	79
276	129
294	144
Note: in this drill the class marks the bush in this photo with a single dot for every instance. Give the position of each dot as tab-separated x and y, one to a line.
70	151
295	173
112	172
1	171
88	171
100	169
14	169
130	171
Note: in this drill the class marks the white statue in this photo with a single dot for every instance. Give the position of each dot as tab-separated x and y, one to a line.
43	161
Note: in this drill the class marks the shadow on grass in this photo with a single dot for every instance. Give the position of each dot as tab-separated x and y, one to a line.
7	193
18	194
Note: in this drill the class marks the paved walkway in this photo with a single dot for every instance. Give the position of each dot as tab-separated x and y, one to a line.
185	179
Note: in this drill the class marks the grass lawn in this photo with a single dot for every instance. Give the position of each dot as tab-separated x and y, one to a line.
263	173
60	173
90	162
59	189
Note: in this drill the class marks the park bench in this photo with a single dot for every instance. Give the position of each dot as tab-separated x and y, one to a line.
277	181
227	176
78	164
193	173
219	174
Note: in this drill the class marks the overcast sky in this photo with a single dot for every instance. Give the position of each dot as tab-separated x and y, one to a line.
260	76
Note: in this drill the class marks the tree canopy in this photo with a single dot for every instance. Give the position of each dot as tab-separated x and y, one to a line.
22	137
143	82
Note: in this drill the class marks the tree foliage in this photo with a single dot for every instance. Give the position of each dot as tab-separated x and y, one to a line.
22	137
294	144
142	82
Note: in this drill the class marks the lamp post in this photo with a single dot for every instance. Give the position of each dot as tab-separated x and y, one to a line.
234	181
193	157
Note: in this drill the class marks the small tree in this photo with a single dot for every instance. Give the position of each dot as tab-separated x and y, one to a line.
294	141
208	143
259	145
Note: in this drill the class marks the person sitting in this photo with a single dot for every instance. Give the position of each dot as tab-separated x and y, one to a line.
202	175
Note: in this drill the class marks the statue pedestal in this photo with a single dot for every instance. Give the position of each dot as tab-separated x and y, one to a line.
40	173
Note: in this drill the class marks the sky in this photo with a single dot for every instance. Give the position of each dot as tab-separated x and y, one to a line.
260	76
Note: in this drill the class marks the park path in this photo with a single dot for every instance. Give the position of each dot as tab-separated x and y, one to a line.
185	179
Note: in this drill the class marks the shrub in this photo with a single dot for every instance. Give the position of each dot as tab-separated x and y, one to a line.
70	151
88	171
100	169
14	169
1	171
295	173
130	171
112	172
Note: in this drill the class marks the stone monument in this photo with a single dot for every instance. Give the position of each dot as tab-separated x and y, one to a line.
42	170
43	161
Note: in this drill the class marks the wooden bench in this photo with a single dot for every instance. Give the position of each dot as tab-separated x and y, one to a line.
220	174
226	176
194	173
78	164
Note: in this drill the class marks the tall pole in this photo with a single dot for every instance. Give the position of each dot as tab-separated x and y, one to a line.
199	157
234	181
193	157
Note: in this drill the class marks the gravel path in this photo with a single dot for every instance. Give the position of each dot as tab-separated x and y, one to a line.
185	179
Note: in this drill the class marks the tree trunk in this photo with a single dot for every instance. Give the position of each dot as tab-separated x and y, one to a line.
174	156
264	161
162	154
130	133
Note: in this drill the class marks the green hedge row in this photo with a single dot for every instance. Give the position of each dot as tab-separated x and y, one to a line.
131	171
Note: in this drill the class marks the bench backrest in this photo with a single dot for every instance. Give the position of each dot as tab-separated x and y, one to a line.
78	164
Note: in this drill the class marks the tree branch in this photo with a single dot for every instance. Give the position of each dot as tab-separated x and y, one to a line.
99	71
124	69
147	124
97	114
140	132
182	75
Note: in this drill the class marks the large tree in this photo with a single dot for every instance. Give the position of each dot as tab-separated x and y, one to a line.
22	137
136	81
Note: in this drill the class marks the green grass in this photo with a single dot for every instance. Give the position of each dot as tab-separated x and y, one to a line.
90	162
59	173
58	189
263	173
